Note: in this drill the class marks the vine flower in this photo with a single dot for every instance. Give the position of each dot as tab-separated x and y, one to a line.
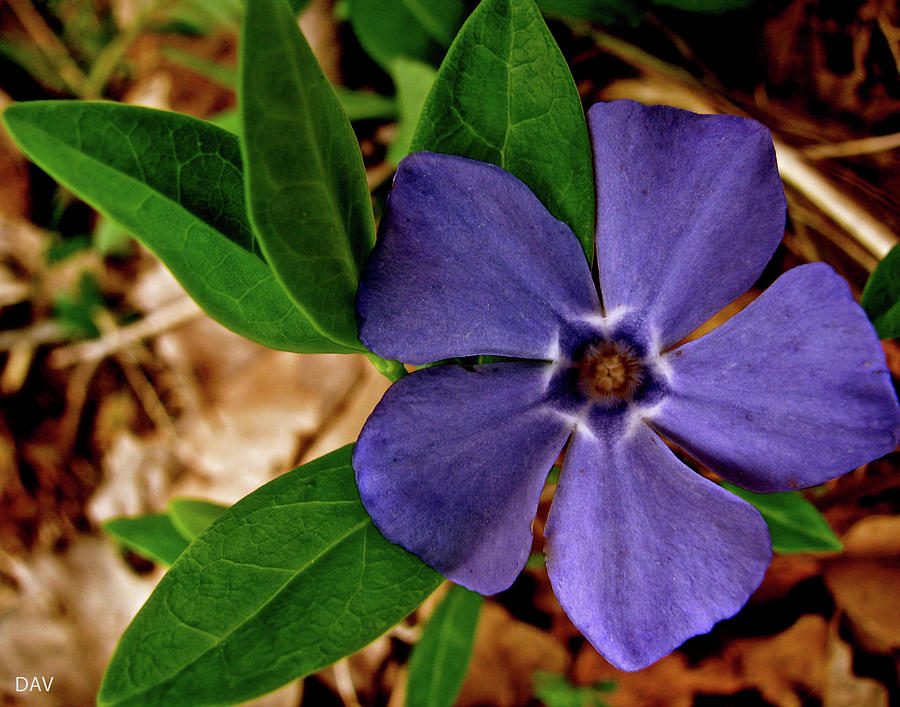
642	551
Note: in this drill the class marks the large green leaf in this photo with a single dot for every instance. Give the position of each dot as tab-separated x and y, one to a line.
176	184
306	185
881	296
621	12
287	581
440	659
415	29
794	523
152	536
504	95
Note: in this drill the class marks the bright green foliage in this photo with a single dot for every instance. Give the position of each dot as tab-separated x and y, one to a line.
176	184
881	296
413	80
416	29
191	516
366	105
618	12
556	691
152	536
794	523
214	71
712	7
109	238
504	95
162	537
287	581
440	659
306	185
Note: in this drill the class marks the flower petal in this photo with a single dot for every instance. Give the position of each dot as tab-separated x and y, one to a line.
642	552
451	464
689	210
789	393
468	261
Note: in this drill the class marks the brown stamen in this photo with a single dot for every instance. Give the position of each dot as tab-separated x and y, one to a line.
610	372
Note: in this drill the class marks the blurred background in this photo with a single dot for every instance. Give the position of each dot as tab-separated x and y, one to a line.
117	394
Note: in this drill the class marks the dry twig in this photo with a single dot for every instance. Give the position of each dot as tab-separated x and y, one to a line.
155	323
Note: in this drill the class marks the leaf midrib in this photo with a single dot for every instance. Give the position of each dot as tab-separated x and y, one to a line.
348	263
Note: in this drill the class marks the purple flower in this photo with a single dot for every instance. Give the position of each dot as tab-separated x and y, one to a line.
642	551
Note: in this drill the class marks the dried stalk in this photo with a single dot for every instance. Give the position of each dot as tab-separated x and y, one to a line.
155	323
849	148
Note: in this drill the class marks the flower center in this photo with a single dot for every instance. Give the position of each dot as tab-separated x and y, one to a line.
610	371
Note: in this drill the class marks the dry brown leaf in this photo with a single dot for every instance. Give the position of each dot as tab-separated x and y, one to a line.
67	614
66	617
866	591
669	682
783	574
892	354
785	668
873	536
844	689
506	654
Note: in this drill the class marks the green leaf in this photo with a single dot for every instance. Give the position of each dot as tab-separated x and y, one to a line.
416	29
228	119
881	296
619	12
288	580
794	523
75	312
711	7
191	516
109	238
413	80
152	536
556	691
306	185
225	76
202	16
504	95
176	184
440	659
366	105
